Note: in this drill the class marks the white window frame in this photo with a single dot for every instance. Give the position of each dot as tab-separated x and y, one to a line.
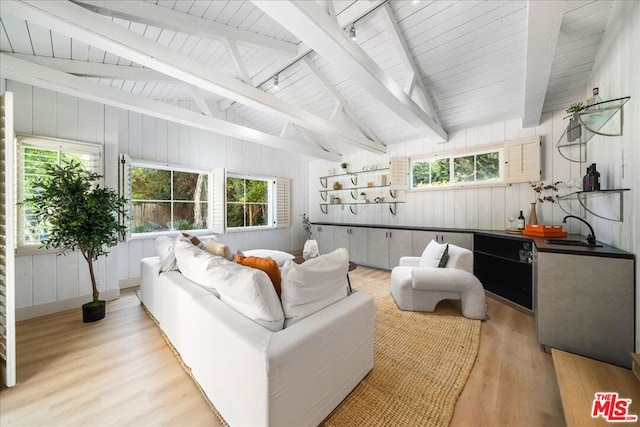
176	168
271	202
52	144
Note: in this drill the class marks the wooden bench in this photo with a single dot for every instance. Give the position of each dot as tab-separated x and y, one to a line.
580	378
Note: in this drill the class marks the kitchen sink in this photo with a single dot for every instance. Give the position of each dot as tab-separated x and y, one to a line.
570	242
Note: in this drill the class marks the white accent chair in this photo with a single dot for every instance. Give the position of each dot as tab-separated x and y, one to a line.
416	288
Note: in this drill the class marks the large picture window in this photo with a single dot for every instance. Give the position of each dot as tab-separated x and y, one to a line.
248	202
456	170
34	153
168	199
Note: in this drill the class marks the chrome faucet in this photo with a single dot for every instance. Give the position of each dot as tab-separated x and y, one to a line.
591	238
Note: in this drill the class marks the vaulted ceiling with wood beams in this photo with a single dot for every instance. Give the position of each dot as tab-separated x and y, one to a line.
321	78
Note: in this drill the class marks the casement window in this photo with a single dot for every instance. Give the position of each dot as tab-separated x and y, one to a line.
33	153
469	168
167	199
256	202
493	164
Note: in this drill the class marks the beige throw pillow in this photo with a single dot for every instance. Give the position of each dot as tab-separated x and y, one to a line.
220	249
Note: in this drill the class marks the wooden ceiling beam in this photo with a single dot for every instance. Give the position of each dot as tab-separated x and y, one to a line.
544	19
77	22
163	17
29	73
98	69
311	24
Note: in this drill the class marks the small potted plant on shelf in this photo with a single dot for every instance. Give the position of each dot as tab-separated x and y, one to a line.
78	214
343	165
363	196
574	129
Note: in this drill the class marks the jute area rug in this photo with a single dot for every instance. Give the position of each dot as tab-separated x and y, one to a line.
422	362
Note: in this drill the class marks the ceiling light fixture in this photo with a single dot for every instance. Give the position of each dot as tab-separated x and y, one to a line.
275	81
352	32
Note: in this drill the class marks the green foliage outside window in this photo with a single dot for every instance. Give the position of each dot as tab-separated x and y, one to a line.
167	200
247	202
471	168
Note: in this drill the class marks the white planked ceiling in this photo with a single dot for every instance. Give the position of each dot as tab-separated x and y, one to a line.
470	57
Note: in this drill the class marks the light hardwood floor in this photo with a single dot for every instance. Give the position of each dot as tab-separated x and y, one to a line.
120	371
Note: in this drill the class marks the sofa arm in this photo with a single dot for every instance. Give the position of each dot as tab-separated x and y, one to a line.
315	363
409	261
149	283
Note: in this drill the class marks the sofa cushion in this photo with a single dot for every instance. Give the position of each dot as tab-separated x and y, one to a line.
434	255
280	257
267	265
196	264
250	292
165	251
313	285
216	248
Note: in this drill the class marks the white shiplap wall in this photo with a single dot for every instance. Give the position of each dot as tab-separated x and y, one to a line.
48	283
616	74
479	208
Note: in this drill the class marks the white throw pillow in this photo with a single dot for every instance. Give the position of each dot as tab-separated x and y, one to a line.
278	256
313	285
250	292
196	264
435	255
165	251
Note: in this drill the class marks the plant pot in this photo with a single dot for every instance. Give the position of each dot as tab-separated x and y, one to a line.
93	311
574	130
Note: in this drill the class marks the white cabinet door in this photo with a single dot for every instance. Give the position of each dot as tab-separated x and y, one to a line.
379	247
323	234
359	245
400	244
421	239
341	238
463	240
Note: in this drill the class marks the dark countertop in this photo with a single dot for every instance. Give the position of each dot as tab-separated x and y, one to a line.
604	251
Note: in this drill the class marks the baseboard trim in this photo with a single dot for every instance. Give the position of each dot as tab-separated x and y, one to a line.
132	282
25	313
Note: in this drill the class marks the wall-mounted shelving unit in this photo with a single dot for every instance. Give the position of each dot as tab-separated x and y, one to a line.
355	188
584	196
572	146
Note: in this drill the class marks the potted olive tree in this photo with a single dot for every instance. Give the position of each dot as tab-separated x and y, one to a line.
78	214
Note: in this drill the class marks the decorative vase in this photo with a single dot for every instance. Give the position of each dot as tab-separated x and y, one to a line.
533	217
337	185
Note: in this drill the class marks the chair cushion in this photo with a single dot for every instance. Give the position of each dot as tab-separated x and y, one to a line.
435	255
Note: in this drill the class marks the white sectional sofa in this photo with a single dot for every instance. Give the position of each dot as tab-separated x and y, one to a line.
253	376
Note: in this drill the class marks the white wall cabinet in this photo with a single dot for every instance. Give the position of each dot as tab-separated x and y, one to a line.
324	235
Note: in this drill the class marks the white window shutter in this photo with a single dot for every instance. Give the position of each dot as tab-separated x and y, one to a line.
219	201
522	160
399	173
7	242
124	189
283	202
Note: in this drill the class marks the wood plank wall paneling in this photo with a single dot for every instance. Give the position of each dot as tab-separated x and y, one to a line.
47	278
475	208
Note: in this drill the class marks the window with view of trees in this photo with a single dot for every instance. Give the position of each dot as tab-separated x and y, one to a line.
452	170
168	199
247	202
33	155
